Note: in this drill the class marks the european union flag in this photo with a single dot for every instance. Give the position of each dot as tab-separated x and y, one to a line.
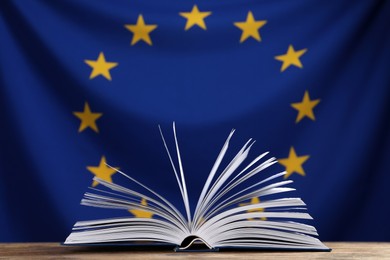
85	83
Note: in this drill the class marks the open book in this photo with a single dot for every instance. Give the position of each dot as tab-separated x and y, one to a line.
220	220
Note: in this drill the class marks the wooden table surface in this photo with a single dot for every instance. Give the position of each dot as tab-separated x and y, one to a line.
344	250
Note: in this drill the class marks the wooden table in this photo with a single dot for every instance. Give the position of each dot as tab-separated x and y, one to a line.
343	250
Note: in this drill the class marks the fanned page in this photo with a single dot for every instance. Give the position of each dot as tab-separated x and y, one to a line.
221	219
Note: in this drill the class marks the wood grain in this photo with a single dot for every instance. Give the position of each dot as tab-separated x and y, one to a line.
342	250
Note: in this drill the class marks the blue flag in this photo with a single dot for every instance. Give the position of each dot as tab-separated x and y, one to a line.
85	83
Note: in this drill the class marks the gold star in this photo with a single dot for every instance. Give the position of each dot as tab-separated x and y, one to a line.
141	30
102	171
101	67
195	18
140	213
293	163
305	108
88	119
250	27
254	200
291	58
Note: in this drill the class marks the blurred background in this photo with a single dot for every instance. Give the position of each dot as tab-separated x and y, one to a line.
84	83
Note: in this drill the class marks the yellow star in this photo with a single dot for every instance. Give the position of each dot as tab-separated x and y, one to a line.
101	67
293	163
102	171
88	119
195	17
305	108
141	30
250	27
254	200
291	58
140	213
